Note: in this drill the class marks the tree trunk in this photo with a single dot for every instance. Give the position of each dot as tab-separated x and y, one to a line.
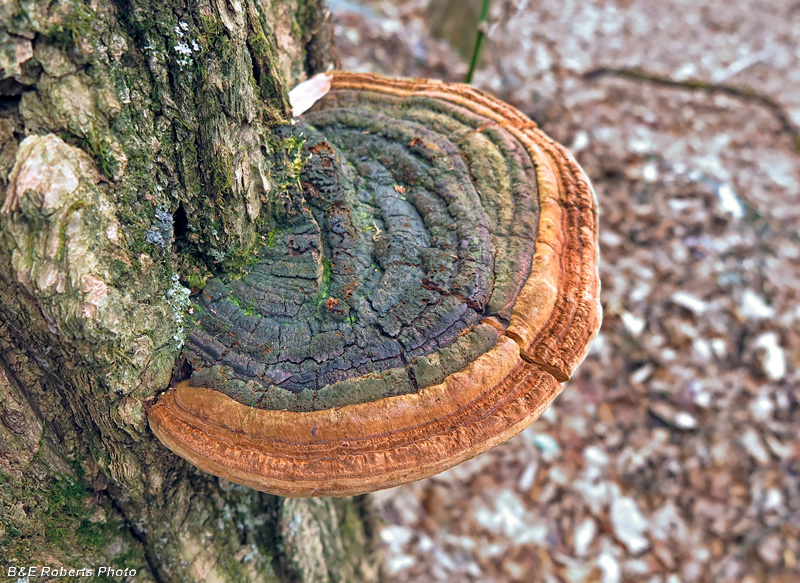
138	159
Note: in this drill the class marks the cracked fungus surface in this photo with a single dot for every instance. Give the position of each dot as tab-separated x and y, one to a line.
421	305
419	225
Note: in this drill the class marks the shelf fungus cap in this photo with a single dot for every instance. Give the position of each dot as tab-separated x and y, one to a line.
422	302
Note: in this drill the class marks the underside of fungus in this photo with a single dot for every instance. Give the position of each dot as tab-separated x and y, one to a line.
422	305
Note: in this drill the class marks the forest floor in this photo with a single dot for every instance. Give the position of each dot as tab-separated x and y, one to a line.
673	454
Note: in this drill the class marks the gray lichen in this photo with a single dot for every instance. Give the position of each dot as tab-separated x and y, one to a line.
160	233
178	301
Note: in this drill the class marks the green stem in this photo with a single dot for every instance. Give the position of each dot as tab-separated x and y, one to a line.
476	51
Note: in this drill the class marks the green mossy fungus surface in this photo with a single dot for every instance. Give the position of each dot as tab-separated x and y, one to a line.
417	222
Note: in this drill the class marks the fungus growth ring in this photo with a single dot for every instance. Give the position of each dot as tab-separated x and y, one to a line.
422	305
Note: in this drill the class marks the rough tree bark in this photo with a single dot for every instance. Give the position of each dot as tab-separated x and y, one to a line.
138	158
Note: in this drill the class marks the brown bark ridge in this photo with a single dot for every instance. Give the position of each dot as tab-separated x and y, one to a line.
138	159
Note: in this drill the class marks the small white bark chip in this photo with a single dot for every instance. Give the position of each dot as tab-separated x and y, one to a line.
771	356
306	94
629	525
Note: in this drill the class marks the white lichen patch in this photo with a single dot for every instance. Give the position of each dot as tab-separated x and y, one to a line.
186	47
178	301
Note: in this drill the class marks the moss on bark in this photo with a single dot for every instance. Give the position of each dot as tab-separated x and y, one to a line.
149	163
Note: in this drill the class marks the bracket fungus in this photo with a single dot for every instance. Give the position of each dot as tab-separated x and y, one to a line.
421	304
